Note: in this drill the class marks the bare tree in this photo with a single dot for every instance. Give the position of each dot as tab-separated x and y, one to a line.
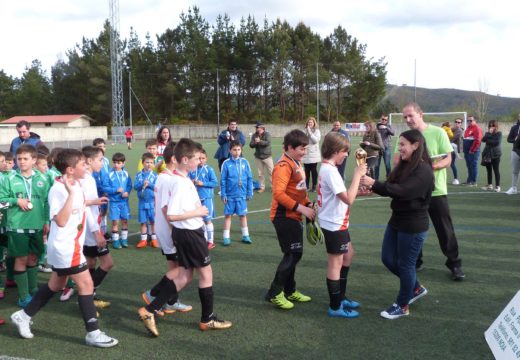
482	98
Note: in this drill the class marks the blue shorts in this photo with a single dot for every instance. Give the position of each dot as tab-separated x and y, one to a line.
146	215
211	208
119	211
235	206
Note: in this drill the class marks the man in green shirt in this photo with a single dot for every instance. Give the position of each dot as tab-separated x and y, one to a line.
25	191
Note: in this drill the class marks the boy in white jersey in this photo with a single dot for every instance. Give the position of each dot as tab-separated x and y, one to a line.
163	230
334	202
67	234
95	244
185	213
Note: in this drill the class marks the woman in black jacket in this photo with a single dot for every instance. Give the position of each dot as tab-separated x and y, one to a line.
410	185
491	155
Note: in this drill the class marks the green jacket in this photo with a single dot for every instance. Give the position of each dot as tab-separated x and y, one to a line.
14	188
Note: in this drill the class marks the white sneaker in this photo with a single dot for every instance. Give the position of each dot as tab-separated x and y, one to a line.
497	189
98	338
44	269
489	187
66	294
23	324
455	182
512	191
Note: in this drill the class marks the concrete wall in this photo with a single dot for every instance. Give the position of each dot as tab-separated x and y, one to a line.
61	136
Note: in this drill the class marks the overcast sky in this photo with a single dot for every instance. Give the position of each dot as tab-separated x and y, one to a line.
456	44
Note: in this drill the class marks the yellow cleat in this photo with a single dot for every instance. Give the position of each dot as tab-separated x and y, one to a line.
298	297
149	321
215	324
101	304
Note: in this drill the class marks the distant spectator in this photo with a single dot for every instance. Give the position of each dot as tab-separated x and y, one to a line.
336	127
471	144
514	138
456	144
312	157
261	142
164	137
129	134
386	132
25	136
491	155
225	137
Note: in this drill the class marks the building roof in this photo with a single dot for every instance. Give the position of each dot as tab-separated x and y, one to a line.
34	119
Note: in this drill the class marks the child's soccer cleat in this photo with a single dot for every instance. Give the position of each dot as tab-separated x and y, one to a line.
343	313
148	320
124	243
395	312
349	304
147	297
44	269
178	306
98	338
23	323
298	297
211	246
24	302
141	244
2	293
215	324
10	283
417	294
280	301
66	294
246	239
101	304
116	244
226	242
154	243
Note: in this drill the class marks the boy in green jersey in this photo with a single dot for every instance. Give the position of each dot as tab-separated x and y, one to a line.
3	236
25	191
9	261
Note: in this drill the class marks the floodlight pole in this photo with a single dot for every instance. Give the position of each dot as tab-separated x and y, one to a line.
317	96
218	105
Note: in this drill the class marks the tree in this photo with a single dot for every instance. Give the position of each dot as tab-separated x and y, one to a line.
7	95
482	99
33	95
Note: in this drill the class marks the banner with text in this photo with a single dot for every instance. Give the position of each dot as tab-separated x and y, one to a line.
503	336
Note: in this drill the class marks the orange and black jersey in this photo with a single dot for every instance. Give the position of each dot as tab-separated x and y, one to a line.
289	189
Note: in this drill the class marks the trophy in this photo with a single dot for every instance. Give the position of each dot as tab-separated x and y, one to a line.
361	158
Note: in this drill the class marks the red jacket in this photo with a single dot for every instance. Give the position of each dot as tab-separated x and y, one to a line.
473	131
129	133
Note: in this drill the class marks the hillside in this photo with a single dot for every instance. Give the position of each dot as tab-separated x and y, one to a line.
437	100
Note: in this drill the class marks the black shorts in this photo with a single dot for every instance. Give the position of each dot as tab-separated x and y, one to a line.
171	257
3	240
192	249
94	251
336	242
128	140
72	270
290	235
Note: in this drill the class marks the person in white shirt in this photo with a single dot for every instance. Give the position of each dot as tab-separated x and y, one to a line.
334	202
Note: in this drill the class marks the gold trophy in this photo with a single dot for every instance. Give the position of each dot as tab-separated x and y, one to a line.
361	158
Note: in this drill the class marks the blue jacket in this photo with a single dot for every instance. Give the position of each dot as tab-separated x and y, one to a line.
206	174
236	179
146	197
223	142
114	181
34	140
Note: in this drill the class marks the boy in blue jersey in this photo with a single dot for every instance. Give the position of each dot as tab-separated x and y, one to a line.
144	185
205	180
236	187
100	177
118	187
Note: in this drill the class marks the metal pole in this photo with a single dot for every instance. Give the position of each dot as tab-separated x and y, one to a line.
317	96
218	105
130	97
415	81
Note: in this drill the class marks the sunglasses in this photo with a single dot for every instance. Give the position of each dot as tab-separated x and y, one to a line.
458	122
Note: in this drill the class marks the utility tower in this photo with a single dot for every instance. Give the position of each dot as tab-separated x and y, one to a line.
118	112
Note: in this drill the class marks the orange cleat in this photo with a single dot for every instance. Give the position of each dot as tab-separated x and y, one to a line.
141	244
154	243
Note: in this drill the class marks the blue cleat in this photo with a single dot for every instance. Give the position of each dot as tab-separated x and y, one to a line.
246	239
226	242
343	313
24	302
349	304
124	243
116	244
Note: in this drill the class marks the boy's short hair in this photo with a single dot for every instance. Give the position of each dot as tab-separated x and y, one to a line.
185	148
98	141
90	152
26	148
9	156
333	143
53	154
41	157
67	158
150	142
203	151
169	152
199	147
234	143
295	138
42	149
147	156
118	157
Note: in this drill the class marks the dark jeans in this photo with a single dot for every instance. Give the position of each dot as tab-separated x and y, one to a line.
472	160
493	167
399	254
371	165
454	165
387	157
441	219
311	169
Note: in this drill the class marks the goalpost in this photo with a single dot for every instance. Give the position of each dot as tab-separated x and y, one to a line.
438	117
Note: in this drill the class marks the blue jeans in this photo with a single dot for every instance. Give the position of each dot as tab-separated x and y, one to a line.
399	254
454	165
387	156
472	164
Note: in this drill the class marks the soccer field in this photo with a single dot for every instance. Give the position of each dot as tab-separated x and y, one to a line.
448	323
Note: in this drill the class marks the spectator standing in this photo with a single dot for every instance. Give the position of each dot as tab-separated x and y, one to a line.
25	136
456	144
312	157
386	132
471	145
129	134
491	155
514	138
225	137
336	127
373	145
261	142
164	137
